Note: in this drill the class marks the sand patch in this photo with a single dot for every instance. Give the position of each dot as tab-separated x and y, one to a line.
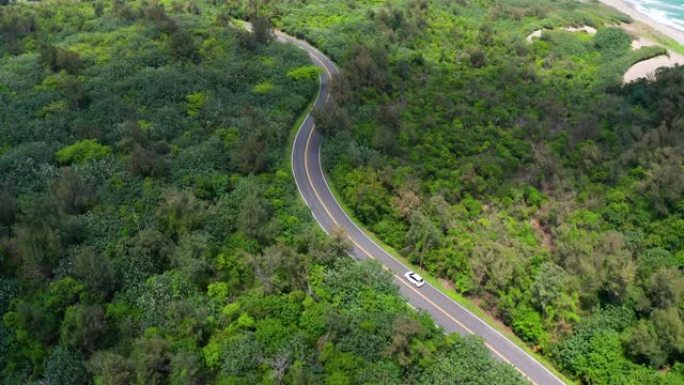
627	8
642	42
584	28
538	33
534	35
646	69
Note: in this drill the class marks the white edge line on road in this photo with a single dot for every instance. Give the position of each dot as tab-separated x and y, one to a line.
325	180
312	55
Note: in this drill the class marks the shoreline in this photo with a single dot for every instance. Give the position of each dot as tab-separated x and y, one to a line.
657	27
648	31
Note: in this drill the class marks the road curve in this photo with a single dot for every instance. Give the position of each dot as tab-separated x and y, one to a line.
314	188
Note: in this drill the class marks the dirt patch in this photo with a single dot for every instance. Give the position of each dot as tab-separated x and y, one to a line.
447	283
547	237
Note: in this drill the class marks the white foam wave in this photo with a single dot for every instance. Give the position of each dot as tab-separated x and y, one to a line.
665	12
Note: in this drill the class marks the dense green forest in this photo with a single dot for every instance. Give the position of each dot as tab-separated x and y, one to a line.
150	229
522	173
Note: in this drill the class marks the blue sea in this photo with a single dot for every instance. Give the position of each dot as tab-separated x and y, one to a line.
670	12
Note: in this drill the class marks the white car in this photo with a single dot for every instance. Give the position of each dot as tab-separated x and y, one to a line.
414	278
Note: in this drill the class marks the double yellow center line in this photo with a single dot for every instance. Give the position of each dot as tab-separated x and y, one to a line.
365	251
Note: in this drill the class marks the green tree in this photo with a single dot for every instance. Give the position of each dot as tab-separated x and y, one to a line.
111	369
242	355
665	288
193	256
85	328
404	330
74	194
641	343
423	237
152	361
65	367
548	287
670	330
254	217
187	369
96	271
58	59
262	30
40	248
462	364
8	210
182	45
280	268
332	248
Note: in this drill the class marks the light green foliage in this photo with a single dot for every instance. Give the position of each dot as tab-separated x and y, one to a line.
528	324
263	87
83	151
304	72
363	190
218	291
195	102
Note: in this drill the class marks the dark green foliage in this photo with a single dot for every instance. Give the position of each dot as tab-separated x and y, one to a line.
59	59
521	172
612	40
111	369
65	367
262	30
95	270
455	366
84	328
152	360
150	232
182	46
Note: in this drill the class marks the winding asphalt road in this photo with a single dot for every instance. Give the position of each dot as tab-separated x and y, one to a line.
313	186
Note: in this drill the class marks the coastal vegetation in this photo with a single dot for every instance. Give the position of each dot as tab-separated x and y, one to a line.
523	174
150	229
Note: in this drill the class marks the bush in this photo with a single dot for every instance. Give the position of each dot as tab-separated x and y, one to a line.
612	40
83	151
304	72
65	367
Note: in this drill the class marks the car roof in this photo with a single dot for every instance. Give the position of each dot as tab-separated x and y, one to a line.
415	275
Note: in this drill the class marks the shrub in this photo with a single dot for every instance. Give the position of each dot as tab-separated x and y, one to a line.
196	101
611	40
83	151
263	87
304	72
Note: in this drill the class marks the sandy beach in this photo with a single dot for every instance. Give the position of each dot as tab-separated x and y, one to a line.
628	9
647	68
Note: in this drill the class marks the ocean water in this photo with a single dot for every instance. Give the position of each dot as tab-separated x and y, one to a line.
670	12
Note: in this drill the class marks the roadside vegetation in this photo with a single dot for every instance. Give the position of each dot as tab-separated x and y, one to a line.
150	229
520	173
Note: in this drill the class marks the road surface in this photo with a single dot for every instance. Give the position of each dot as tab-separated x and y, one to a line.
313	186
